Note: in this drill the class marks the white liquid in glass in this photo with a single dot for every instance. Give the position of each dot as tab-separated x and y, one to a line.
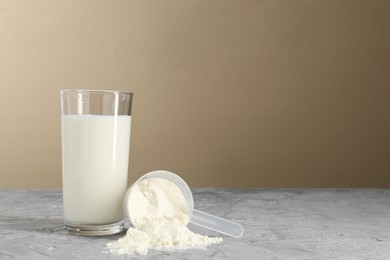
95	154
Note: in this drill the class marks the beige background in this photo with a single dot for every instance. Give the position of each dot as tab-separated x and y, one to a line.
227	93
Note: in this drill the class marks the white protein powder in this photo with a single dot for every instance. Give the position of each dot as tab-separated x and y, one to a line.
159	214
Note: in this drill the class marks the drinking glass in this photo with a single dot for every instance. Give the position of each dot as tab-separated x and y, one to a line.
95	130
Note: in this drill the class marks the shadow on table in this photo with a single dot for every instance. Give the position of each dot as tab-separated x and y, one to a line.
29	223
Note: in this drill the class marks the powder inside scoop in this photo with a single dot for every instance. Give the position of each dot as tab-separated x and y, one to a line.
159	214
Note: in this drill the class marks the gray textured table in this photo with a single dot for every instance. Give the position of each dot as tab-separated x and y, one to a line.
279	224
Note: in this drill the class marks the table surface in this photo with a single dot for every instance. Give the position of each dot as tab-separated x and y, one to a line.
279	224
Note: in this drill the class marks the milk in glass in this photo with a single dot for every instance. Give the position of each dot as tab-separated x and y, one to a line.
95	150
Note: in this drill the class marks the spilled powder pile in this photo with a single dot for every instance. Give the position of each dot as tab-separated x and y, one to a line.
159	214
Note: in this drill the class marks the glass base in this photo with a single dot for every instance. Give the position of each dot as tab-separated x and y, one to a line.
94	230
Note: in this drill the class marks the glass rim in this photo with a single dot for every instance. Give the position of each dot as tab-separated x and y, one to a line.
115	92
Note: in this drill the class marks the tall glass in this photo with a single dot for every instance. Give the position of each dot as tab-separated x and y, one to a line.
95	128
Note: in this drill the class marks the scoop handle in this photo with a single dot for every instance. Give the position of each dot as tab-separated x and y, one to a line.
215	223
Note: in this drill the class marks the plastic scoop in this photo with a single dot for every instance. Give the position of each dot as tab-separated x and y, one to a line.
197	217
